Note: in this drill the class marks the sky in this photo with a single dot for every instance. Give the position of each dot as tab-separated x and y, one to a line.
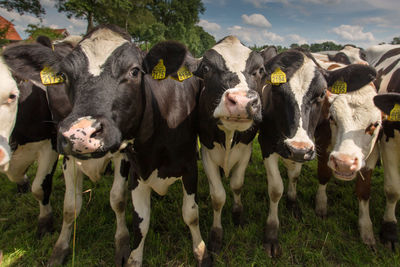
271	22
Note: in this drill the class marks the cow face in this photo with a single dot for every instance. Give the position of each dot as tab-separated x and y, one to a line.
292	108
349	55
105	73
233	76
8	112
355	124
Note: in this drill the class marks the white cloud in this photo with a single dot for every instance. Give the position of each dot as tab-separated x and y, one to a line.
257	20
353	33
48	3
17	18
378	21
253	36
209	26
297	39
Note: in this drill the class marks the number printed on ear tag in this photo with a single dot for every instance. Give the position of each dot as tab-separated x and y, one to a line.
395	113
158	72
278	77
339	87
184	73
48	77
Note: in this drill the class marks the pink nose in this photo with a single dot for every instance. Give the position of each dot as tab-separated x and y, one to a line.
361	62
82	136
344	163
236	103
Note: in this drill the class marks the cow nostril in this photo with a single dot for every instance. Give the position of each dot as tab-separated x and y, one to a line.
230	99
99	130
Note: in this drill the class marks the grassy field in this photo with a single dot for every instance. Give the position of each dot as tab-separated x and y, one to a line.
310	241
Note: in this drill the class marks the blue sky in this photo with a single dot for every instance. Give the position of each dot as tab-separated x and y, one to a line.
278	22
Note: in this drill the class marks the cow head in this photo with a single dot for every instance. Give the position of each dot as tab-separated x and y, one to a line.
354	122
8	112
106	75
233	77
349	54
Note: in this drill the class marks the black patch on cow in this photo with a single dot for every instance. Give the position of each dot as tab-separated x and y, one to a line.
340	58
394	83
65	158
44	40
124	170
47	185
389	127
391	53
386	102
137	233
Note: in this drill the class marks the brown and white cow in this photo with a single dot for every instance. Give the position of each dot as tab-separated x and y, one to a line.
291	111
34	135
386	60
229	110
120	113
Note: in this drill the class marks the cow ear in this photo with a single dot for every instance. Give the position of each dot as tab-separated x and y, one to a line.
268	53
386	102
355	76
167	55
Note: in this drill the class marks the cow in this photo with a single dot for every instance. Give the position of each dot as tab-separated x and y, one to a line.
349	54
229	110
386	60
8	113
145	126
292	104
34	135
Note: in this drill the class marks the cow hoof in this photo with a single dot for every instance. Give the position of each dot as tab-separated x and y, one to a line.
237	215
122	251
58	256
373	248
388	235
45	225
215	241
207	261
293	206
272	248
322	213
24	187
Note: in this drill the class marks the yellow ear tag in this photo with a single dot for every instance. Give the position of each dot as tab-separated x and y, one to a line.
278	77
48	77
395	113
158	72
339	87
184	73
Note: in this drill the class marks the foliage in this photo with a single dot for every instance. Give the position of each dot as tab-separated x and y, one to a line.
309	241
396	40
24	6
3	33
80	9
325	46
36	30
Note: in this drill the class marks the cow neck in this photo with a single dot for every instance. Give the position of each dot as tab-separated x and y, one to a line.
228	147
145	126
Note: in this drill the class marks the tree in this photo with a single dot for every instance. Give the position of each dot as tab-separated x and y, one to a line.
24	6
36	30
396	40
80	9
3	33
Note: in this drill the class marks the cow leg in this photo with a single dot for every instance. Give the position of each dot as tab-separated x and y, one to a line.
294	169
19	163
363	191
73	177
42	185
275	191
118	204
190	213
141	220
236	184
391	159
218	197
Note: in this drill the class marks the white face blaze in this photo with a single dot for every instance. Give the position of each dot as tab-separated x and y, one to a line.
300	83
8	101
352	114
99	47
235	56
353	53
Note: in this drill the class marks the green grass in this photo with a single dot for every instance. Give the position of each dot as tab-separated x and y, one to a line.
310	241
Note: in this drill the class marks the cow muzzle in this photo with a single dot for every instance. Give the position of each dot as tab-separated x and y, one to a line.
344	166
300	151
5	154
82	137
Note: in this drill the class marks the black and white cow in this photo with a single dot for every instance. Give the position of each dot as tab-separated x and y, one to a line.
291	111
115	102
34	135
349	54
230	108
386	60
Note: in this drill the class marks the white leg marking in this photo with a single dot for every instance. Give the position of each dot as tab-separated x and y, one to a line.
294	169
321	201
275	187
365	224
217	191
141	205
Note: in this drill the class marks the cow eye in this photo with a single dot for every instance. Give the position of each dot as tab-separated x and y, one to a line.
321	96
134	72
259	71
205	69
